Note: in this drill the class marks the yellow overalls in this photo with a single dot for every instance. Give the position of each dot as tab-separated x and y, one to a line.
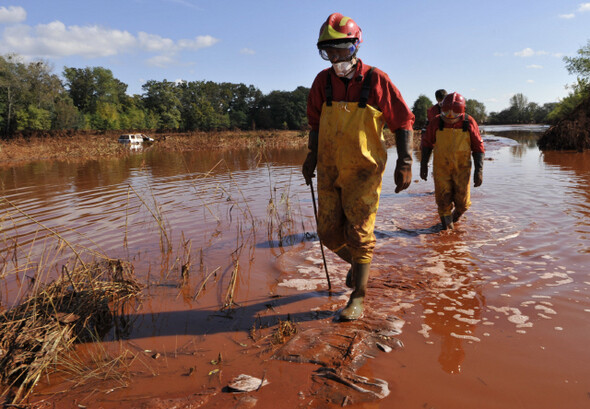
351	161
452	170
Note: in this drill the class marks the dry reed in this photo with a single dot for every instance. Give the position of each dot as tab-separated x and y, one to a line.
74	308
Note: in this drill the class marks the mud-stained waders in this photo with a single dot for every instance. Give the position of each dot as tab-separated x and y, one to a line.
351	161
452	170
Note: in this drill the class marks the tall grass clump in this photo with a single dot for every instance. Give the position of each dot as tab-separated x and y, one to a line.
76	307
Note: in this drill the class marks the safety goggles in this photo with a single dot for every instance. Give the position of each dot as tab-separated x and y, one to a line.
338	52
451	114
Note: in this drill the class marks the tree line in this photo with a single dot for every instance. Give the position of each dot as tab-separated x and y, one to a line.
91	98
32	98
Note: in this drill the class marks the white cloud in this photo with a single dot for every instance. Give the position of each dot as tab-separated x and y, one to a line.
12	15
153	42
567	16
584	7
198	42
499	54
529	52
161	61
247	51
535	66
58	40
530	81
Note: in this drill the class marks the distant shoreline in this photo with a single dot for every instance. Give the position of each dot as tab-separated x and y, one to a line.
87	146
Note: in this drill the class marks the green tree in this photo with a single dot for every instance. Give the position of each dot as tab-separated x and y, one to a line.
282	107
580	90
93	86
33	118
12	85
580	66
477	110
162	99
419	109
30	95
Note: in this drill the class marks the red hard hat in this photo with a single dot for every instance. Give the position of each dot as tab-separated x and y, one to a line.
453	106
339	28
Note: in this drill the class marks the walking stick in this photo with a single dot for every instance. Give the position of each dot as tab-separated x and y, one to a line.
315	212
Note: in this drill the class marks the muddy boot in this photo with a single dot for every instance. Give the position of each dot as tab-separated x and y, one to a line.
354	308
345	255
447	222
456	215
350	279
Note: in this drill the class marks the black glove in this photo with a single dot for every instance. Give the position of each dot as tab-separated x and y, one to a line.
402	175
424	163
478	172
312	157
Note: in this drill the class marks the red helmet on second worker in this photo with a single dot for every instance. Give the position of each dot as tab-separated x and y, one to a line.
341	32
453	106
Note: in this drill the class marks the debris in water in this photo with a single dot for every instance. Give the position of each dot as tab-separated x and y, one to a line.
246	383
384	348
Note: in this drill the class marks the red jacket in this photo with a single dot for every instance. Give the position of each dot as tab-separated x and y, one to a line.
429	138
432	112
384	96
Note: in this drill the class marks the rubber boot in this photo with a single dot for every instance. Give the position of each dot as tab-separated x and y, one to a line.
354	309
447	222
345	255
456	215
350	278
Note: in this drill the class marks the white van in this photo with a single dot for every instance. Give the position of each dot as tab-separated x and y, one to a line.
131	138
134	138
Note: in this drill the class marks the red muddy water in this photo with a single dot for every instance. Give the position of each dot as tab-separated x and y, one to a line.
491	315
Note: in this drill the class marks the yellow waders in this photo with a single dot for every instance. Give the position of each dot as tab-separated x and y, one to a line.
452	170
351	162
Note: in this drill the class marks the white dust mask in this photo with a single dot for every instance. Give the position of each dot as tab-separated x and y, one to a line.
344	68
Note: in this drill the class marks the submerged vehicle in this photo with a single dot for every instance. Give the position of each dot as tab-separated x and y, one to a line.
134	138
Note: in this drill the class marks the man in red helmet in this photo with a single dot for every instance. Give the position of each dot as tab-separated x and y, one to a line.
454	136
347	108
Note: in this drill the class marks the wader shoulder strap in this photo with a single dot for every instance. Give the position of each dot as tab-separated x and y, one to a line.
329	91
441	124
366	90
466	123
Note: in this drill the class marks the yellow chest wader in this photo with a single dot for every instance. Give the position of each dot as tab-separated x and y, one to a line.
351	161
452	168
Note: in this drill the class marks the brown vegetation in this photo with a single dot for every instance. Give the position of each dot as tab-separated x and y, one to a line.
77	307
90	145
571	133
83	146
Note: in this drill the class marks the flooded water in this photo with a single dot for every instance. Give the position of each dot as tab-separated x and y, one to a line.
493	314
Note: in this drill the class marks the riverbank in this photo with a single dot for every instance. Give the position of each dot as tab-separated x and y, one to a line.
86	146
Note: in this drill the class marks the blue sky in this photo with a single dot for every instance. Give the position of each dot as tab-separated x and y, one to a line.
485	50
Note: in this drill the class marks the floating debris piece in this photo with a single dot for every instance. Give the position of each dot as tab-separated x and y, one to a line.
357	388
384	348
246	383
